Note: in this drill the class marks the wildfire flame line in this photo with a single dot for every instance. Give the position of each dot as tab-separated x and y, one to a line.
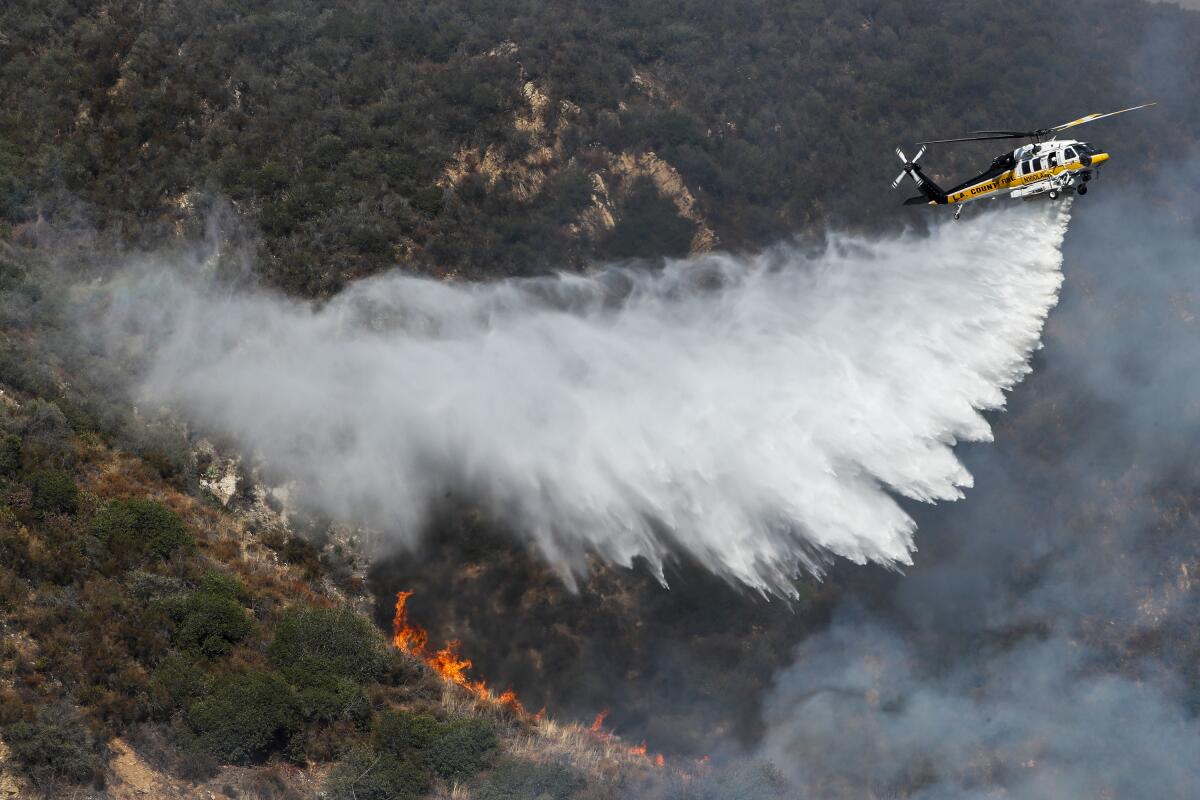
446	662
639	750
453	668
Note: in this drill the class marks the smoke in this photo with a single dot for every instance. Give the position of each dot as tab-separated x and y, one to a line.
754	413
1046	645
859	718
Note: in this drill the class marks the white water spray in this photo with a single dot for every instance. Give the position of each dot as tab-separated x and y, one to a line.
756	413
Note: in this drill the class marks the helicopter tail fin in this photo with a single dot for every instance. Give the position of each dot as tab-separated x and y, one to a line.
930	191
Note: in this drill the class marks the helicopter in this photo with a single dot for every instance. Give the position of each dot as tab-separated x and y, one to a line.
1051	167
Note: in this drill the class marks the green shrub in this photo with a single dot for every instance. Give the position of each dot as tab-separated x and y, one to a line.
349	645
177	682
50	751
512	778
364	775
324	696
54	492
207	624
458	748
245	717
46	434
147	586
429	199
219	585
649	226
464	747
10	454
401	733
141	526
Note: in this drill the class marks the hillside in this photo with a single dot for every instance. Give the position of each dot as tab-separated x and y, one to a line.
169	633
173	627
487	139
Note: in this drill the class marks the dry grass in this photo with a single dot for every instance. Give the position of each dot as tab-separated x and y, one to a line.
603	758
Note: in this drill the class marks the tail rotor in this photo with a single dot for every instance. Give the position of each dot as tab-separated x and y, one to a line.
909	167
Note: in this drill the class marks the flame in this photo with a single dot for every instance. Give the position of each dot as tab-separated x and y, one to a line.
453	668
639	750
446	662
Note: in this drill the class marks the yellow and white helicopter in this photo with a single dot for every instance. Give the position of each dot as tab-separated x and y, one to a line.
1049	167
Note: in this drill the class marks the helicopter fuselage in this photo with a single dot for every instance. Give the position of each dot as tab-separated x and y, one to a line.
1046	167
1056	165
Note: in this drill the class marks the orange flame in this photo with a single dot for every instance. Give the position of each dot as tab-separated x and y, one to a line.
453	668
446	662
639	750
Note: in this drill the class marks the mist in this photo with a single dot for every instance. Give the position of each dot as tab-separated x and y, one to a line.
1044	645
758	414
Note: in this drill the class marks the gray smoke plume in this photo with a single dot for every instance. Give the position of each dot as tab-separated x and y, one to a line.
755	413
1046	644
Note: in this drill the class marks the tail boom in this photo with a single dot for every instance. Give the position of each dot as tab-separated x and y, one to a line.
930	191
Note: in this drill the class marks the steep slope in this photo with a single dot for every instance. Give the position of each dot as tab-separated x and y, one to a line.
512	137
165	636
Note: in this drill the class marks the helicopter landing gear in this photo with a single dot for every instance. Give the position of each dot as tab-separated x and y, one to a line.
1082	189
958	212
1053	194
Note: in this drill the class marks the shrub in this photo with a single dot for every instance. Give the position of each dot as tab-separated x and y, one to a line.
46	434
52	750
219	585
245	717
457	748
10	454
364	775
401	733
348	645
301	552
428	199
650	226
141	526
207	624
463	748
147	586
324	696
512	778
177	682
54	492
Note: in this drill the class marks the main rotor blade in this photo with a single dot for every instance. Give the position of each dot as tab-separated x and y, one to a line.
1094	117
978	138
899	178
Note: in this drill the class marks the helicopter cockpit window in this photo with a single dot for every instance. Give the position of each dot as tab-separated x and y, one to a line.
1069	154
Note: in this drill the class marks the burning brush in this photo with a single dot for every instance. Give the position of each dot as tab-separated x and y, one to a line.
453	668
